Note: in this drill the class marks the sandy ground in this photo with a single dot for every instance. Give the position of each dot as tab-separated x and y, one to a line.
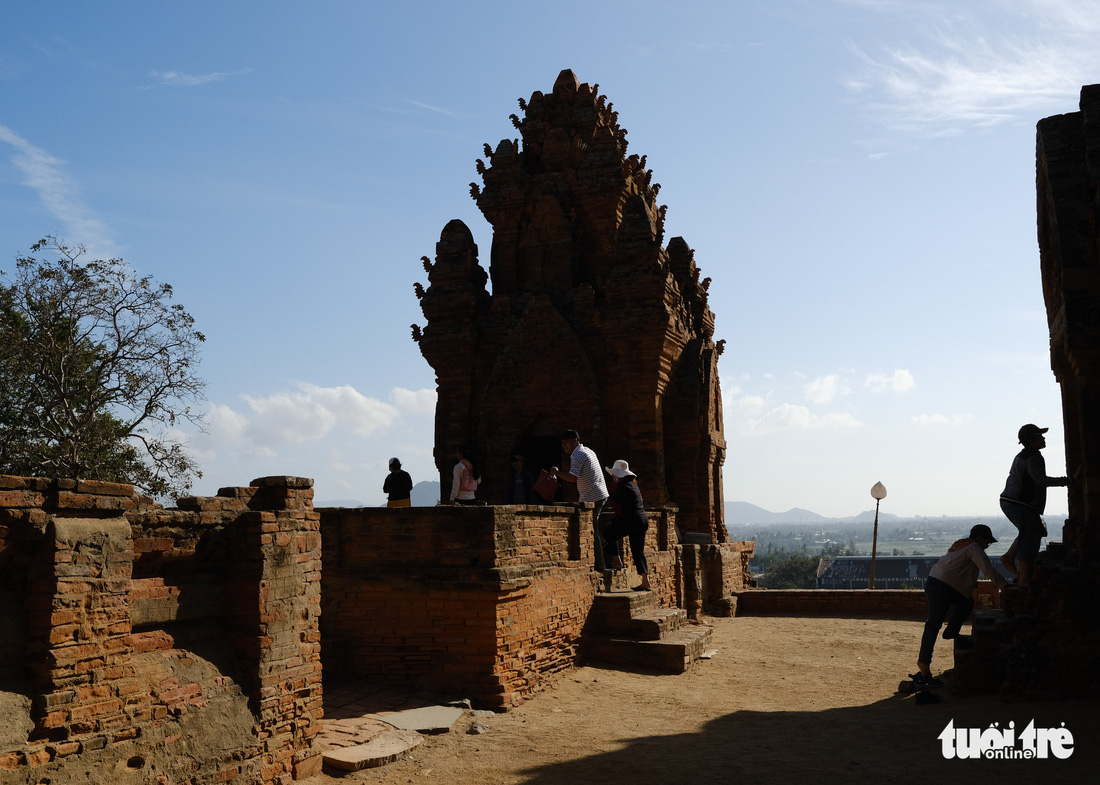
785	700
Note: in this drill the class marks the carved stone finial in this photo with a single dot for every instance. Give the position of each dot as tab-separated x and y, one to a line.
475	190
418	288
567	81
720	347
416	334
427	264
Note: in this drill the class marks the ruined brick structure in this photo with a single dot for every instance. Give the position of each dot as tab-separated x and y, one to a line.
184	646
158	646
591	323
1068	184
1046	639
1068	577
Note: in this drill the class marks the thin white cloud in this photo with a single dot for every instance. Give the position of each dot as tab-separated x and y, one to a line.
977	65
180	79
228	424
45	174
336	435
934	420
824	389
901	382
430	108
312	412
420	402
794	417
751	403
735	399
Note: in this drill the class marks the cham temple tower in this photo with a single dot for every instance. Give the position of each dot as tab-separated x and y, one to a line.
592	324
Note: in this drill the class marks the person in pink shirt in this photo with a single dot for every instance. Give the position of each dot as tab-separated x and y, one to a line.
950	586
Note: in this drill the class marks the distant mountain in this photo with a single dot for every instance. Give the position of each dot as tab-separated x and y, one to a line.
745	514
869	517
339	503
425	494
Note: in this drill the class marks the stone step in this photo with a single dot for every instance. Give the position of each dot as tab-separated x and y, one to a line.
634	615
674	653
654	625
612	612
384	748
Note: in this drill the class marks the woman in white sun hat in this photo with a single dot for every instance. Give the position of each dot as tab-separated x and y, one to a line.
630	522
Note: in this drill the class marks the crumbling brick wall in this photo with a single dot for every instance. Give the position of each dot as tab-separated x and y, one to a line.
168	646
488	601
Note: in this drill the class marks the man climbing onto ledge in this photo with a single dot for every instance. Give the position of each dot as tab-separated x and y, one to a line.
1024	499
950	583
585	471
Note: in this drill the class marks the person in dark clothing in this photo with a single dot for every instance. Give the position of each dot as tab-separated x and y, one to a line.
521	485
1024	499
630	522
398	486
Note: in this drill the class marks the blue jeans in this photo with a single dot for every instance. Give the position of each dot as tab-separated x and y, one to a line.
940	598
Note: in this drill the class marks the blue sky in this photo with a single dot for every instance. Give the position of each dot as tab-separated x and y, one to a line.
856	176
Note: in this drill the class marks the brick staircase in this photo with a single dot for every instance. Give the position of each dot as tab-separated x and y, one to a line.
628	630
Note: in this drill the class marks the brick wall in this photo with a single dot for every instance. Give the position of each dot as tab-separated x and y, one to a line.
903	603
879	603
177	645
488	601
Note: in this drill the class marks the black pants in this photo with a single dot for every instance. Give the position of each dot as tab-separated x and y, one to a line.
634	530
942	598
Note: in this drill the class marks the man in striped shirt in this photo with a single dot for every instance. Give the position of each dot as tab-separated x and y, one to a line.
585	471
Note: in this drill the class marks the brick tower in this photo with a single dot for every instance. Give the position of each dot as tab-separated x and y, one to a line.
591	324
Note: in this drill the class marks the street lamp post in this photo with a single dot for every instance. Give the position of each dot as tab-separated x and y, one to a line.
878	493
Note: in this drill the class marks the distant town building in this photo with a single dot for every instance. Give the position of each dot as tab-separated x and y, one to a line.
891	572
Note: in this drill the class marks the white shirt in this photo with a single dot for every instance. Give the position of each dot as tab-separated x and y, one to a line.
585	466
959	569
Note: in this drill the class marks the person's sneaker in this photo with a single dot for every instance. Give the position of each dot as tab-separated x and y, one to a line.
921	680
964	642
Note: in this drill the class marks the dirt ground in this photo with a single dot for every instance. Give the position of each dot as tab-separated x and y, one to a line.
783	700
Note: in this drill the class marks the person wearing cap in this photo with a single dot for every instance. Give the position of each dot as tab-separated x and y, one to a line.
1024	499
950	586
630	522
398	486
584	470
